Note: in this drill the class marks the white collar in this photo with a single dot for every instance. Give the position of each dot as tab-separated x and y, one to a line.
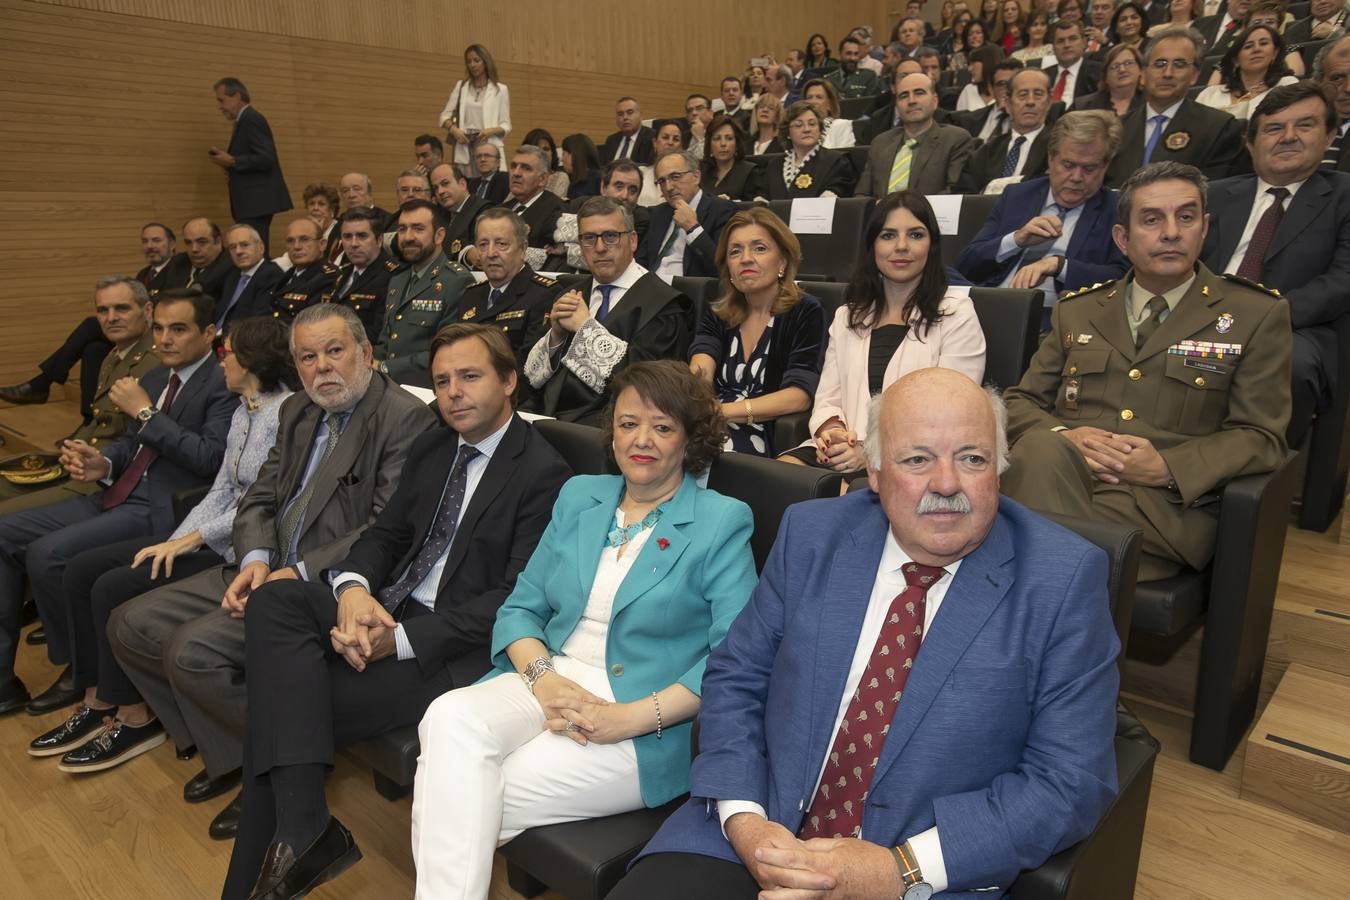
627	278
488	445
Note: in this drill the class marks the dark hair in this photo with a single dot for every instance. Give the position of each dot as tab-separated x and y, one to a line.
585	157
1285	96
431	141
233	88
538	134
1062	25
167	230
203	304
215	229
681	124
437	214
705	99
1120	50
260	345
1143	20
831	96
867	291
498	347
988	56
600	205
810	60
708	167
668	385
519	229
730	305
1155	172
362	214
849	38
1008	64
327	191
1232	77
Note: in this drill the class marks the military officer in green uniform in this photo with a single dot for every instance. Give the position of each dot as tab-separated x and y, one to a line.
311	278
1149	394
122	307
363	282
514	298
421	298
851	80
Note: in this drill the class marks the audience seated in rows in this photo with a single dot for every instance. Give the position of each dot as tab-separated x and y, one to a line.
311	279
724	171
367	268
920	155
249	286
1020	153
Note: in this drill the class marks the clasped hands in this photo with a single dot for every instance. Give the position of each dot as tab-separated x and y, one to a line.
570	311
364	632
1120	458
788	868
592	718
839	448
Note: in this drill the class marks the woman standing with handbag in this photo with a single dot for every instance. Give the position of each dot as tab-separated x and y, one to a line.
479	107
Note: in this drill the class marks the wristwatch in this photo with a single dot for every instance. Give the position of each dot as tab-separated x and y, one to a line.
915	887
535	670
146	414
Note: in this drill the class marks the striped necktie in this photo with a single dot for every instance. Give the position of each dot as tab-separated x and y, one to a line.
904	158
1332	158
1014	154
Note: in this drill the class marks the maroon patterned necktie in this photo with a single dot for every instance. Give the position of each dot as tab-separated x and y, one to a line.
126	482
836	810
1254	260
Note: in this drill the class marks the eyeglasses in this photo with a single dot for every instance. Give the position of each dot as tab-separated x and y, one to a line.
1003	84
1181	65
671	178
222	351
610	238
1123	66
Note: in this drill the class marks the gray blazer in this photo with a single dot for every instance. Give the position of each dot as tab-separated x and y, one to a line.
938	160
353	484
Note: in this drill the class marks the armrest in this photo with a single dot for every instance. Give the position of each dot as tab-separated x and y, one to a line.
184	500
790	430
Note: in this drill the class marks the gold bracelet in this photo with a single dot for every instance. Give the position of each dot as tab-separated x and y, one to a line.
749	412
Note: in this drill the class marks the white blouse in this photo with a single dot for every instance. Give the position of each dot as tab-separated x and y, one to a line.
586	643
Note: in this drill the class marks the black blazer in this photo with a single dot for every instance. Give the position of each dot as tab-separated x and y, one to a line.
699	254
1087	82
366	296
459	233
1215	43
211	278
254	300
498	187
257	187
505	518
1211	141
188	438
743	182
299	289
1308	260
541	216
640	151
1102	100
829	170
590	187
986	163
521	312
157	282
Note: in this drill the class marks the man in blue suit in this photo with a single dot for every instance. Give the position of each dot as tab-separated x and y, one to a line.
921	692
682	237
1054	232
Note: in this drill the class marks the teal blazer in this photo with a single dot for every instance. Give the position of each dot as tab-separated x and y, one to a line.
674	606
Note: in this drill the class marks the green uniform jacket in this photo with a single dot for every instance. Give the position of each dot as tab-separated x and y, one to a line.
413	312
107	420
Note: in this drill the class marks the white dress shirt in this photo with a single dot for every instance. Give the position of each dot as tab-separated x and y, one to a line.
672	264
1262	203
1069	82
888	583
1026	148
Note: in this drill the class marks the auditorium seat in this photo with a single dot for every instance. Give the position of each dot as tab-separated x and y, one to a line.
832	256
703	291
1011	322
857	155
975	211
1328	456
856	107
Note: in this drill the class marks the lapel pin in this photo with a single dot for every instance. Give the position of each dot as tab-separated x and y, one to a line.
1224	322
1084	338
1068	339
1204	291
662	543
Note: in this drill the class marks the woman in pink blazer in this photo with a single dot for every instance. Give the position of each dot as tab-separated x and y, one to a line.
900	316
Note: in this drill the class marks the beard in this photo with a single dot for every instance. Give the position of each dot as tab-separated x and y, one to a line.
350	390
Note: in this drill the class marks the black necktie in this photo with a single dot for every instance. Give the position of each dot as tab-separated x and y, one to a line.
1332	158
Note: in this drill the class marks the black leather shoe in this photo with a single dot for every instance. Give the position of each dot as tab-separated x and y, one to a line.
13	695
113	746
285	876
185	753
71	733
36	638
23	394
202	786
226	823
62	693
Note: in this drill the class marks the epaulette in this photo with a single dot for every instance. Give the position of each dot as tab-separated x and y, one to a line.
1237	279
330	269
454	266
1068	295
543	280
392	265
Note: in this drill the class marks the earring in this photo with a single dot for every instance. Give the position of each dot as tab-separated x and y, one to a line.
781	273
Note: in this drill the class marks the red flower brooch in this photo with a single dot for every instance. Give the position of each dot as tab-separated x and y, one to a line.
662	543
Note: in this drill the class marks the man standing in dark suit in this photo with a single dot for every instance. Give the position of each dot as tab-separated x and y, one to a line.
633	140
537	207
181	414
461	208
340	446
1020	152
363	282
1288	228
416	595
248	287
1331	70
1171	127
623	314
920	155
1072	76
682	237
311	278
257	188
490	185
1054	233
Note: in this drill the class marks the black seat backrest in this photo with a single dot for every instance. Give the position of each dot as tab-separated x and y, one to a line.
769	487
858	157
703	291
832	255
855	107
569	280
975	210
832	295
581	446
1011	322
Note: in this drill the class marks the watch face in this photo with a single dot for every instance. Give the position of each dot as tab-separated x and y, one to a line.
921	891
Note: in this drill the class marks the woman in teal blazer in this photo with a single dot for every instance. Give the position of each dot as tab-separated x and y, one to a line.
599	651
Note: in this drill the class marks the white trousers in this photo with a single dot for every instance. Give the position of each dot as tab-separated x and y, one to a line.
489	769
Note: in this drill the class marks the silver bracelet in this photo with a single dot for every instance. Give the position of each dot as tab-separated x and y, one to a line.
656	701
535	670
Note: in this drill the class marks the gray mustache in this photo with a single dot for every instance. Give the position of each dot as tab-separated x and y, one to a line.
936	503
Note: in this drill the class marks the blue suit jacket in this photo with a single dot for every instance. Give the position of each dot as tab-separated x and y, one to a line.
189	438
1093	256
675	603
1004	737
700	253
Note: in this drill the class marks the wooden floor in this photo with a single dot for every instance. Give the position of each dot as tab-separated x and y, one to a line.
128	834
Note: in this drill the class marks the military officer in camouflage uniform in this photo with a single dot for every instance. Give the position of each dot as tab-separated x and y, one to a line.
364	280
421	298
311	278
1150	393
122	307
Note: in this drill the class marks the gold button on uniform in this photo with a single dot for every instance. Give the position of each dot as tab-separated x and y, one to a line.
1127	414
616	670
393	337
1135	374
1199	381
1073	370
398	318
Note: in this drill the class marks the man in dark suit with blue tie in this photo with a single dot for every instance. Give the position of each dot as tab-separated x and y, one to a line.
257	189
1054	232
249	285
181	414
416	596
919	696
682	236
1288	228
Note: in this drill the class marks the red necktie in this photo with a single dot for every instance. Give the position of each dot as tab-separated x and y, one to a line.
126	482
1058	93
1254	260
836	810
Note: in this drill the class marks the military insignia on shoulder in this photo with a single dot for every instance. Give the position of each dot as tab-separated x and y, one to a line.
469	313
330	269
391	265
453	267
455	246
511	314
1238	279
1086	290
543	280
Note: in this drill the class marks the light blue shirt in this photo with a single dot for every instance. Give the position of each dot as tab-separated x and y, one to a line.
1007	248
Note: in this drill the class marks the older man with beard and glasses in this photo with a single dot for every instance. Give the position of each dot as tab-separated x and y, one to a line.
364	280
340	447
311	277
422	298
248	288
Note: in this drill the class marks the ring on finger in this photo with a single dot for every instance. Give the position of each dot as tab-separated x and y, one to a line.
572	726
